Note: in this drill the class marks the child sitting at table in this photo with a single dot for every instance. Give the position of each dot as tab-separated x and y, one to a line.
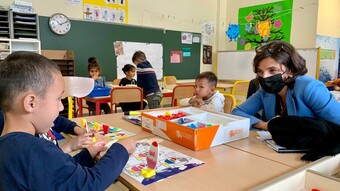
32	87
94	70
206	97
129	71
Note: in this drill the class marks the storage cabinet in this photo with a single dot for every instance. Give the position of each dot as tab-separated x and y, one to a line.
7	46
65	61
4	24
24	25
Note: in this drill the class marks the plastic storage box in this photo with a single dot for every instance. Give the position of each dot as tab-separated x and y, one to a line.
100	91
194	128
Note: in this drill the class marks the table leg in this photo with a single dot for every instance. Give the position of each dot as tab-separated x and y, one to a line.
80	105
98	107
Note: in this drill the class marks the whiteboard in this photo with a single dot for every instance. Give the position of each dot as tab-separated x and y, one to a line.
153	52
238	65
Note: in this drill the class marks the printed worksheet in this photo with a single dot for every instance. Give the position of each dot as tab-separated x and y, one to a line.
169	163
114	133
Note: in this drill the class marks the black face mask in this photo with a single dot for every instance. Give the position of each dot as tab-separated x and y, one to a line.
272	84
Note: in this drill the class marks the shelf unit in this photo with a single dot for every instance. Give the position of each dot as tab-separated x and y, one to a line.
24	25
7	46
4	48
4	24
65	61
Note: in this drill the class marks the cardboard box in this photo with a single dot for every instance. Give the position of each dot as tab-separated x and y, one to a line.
219	128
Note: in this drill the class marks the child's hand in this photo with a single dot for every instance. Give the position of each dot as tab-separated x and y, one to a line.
129	144
77	142
83	141
196	101
96	148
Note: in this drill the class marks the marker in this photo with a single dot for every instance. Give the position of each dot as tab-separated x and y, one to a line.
132	113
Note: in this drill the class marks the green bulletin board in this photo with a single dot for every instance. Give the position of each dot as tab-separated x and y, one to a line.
89	38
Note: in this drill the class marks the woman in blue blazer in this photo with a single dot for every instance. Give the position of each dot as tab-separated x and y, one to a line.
285	90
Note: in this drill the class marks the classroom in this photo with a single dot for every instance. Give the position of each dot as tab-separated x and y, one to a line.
219	149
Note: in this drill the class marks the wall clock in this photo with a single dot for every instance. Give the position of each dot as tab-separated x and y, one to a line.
59	24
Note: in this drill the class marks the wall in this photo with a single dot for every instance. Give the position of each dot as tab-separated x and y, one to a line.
328	18
189	14
174	15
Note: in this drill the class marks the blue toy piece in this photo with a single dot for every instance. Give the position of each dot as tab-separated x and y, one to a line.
233	32
180	121
192	126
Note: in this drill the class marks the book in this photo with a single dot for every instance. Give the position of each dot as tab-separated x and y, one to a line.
133	119
266	137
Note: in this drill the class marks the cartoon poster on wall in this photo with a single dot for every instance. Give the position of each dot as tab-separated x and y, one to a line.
207	53
106	10
169	163
261	24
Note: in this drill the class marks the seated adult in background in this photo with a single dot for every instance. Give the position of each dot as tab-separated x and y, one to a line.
285	89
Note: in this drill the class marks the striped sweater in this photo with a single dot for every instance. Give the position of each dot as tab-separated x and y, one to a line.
146	78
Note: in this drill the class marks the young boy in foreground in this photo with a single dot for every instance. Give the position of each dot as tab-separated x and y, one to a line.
31	90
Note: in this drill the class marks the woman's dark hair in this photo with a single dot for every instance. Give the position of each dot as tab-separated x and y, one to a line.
284	53
128	67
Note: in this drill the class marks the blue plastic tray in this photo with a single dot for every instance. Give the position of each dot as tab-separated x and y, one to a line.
99	91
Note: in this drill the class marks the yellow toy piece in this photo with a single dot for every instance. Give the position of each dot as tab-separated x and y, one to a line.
148	173
94	140
97	126
168	113
83	122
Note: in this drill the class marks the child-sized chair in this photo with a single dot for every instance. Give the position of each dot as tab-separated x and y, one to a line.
76	87
180	92
116	82
126	94
229	102
169	82
240	90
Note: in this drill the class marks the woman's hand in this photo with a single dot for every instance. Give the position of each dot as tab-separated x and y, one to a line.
261	125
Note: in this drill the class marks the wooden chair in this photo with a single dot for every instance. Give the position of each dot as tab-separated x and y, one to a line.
126	94
169	82
240	90
229	103
76	87
116	82
180	92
